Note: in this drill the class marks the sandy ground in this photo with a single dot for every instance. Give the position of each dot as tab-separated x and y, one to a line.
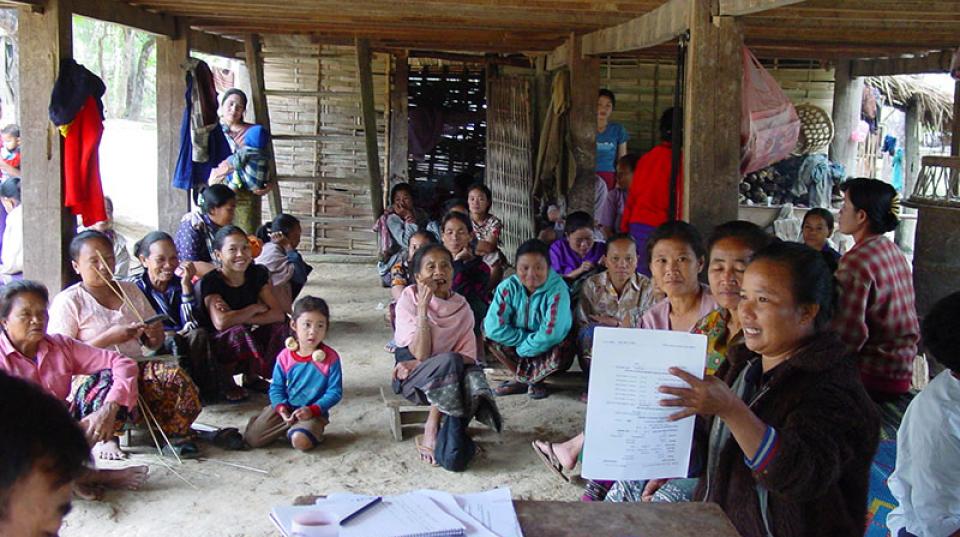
359	454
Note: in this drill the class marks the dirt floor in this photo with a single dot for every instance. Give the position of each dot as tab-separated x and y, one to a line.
359	454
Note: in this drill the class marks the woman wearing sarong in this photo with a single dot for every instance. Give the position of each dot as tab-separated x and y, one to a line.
194	239
241	311
436	357
51	361
100	312
528	323
167	284
232	107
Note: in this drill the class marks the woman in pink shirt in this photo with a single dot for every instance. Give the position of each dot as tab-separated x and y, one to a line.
436	360
51	361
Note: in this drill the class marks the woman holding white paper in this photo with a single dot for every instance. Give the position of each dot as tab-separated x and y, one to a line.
791	429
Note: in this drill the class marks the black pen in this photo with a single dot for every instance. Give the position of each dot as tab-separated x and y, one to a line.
360	511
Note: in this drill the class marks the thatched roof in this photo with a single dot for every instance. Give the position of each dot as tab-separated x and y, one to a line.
935	104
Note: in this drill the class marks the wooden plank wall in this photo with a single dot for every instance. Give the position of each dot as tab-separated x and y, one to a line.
644	89
314	98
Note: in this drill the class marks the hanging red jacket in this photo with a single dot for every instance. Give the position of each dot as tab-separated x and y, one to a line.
83	193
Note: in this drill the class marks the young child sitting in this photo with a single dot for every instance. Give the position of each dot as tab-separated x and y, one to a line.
10	153
288	270
306	384
249	164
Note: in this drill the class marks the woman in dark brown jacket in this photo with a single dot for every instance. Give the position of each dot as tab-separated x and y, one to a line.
791	429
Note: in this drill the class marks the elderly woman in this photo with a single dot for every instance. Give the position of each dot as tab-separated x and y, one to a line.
436	360
791	429
109	314
877	314
167	284
232	108
395	227
528	322
194	238
51	361
241	311
471	274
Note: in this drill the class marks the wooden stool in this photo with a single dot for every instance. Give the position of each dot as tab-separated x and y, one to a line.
401	412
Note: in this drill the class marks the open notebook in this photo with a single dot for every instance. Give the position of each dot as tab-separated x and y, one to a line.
407	515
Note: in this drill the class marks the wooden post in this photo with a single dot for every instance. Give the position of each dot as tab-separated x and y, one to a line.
45	38
847	99
397	168
584	87
254	61
911	147
711	105
365	72
955	143
171	53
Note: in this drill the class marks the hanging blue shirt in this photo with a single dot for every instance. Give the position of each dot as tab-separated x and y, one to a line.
607	143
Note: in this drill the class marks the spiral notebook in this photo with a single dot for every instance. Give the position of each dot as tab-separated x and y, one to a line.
407	515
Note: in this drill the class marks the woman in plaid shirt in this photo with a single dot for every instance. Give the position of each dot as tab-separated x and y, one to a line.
877	315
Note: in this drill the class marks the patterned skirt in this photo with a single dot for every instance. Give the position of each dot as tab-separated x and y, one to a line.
165	388
533	369
248	214
196	358
250	351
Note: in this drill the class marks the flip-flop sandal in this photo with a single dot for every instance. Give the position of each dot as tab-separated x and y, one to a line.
186	450
510	387
228	438
538	391
550	460
425	451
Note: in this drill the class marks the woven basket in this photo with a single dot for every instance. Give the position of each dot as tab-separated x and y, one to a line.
816	130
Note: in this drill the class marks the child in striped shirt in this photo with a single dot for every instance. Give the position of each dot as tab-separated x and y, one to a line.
306	384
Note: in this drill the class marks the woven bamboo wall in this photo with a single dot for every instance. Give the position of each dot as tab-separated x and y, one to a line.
509	159
313	93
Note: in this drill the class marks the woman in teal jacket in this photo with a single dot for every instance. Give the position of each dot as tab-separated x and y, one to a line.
528	322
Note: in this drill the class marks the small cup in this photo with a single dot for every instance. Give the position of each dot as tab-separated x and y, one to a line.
316	524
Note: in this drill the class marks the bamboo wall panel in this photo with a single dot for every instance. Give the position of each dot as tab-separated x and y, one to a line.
314	98
509	159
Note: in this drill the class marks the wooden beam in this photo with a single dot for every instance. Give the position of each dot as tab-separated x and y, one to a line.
365	72
171	53
847	98
737	8
48	227
254	63
399	143
35	6
558	57
127	15
711	164
216	45
934	62
584	86
658	26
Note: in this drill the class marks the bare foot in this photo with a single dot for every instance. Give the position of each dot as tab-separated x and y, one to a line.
425	448
88	491
109	451
130	478
560	451
301	441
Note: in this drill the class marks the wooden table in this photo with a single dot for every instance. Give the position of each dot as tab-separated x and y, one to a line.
604	519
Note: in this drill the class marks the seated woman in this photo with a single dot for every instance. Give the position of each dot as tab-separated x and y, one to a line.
400	278
817	228
109	314
288	270
729	250
454	205
792	431
167	284
486	228
617	297
241	311
436	357
528	323
578	255
876	313
470	273
194	239
11	255
51	361
395	227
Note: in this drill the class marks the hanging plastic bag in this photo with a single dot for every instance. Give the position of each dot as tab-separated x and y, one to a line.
769	126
